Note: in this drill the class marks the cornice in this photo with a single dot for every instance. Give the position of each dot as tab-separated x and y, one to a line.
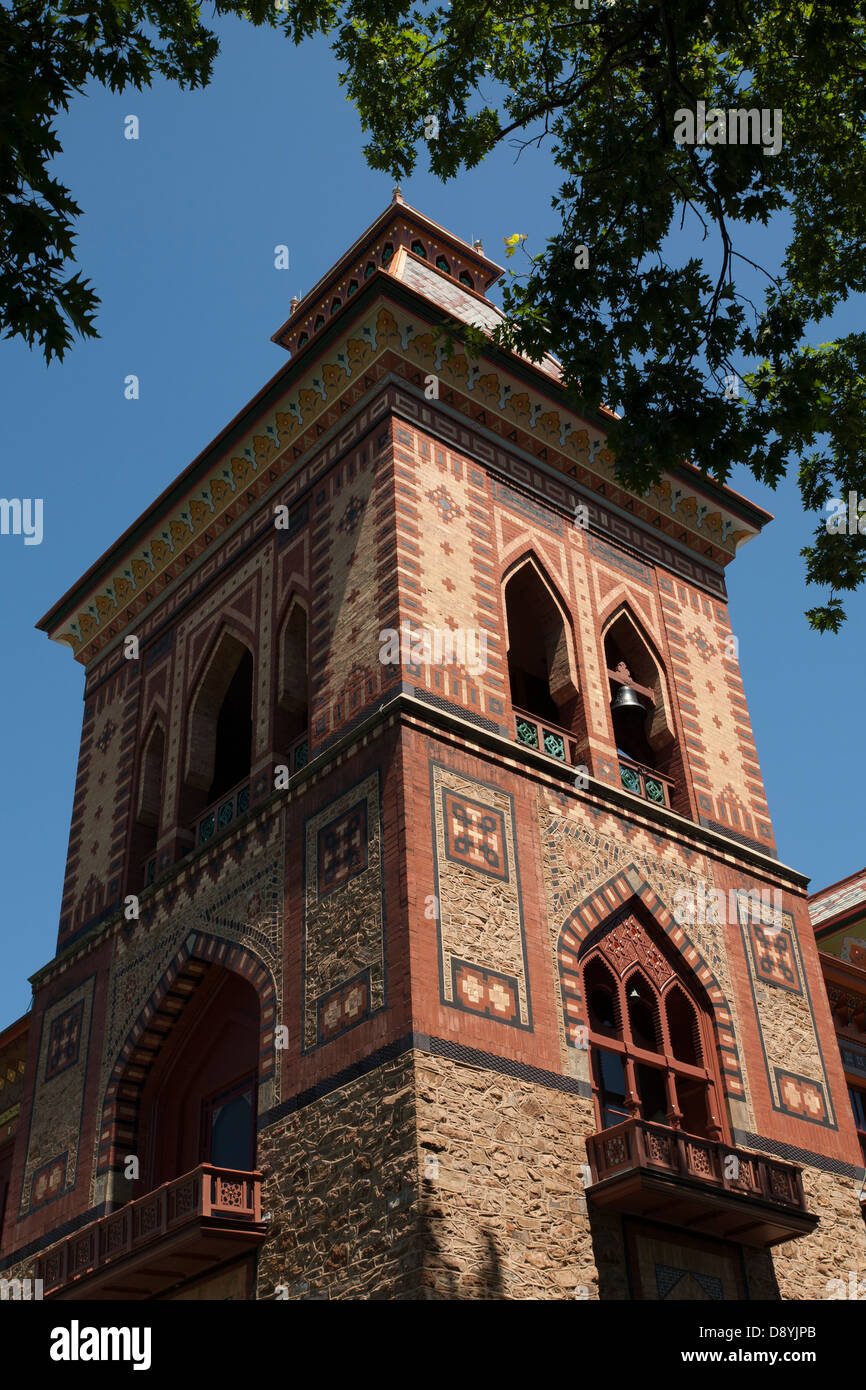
310	398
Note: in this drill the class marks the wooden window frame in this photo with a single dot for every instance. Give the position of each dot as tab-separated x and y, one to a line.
622	1042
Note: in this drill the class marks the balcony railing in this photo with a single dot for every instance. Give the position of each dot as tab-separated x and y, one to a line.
222	814
654	1171
546	738
299	753
645	781
191	1222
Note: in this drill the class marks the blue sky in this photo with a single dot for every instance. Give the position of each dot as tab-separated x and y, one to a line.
178	235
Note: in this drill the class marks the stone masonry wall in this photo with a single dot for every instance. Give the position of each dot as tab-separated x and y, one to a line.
341	1183
503	1213
805	1266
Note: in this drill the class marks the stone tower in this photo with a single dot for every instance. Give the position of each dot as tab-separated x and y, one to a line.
423	932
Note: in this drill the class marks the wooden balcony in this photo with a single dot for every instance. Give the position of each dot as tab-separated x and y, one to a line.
176	1232
700	1185
645	781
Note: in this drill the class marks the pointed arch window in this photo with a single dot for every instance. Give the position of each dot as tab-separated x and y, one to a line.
541	668
219	739
650	1034
642	727
292	696
148	806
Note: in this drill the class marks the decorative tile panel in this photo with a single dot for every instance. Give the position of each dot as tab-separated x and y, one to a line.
342	849
791	1048
64	1041
485	992
773	954
55	1127
345	1006
474	835
344	914
482	944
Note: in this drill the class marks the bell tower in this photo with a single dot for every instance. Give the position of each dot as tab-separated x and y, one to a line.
421	874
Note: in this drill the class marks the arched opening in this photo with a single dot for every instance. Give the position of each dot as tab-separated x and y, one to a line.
540	664
220	729
148	807
199	1101
292	694
640	713
650	1032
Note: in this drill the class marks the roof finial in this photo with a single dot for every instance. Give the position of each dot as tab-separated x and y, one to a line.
397	195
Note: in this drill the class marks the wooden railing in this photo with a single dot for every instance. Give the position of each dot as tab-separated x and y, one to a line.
543	736
639	1144
645	781
205	1193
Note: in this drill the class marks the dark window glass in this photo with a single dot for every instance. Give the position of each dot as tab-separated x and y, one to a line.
642	1015
231	1132
652	1092
601	1003
683	1029
858	1105
611	1075
692	1097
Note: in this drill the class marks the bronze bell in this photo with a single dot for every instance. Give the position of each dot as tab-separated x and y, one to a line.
626	700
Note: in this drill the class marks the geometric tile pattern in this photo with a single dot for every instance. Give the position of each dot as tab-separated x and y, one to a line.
474	835
668	1278
55	1126
774	957
64	1041
485	992
479	925
345	1006
793	1059
48	1182
342	849
343	950
801	1097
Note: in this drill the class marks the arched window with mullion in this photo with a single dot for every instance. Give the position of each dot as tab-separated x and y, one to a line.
650	1041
